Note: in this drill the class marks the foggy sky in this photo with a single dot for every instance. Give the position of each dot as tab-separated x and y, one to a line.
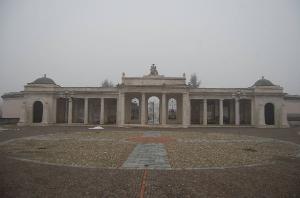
228	43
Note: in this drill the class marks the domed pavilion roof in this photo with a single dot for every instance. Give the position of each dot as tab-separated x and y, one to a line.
44	80
263	82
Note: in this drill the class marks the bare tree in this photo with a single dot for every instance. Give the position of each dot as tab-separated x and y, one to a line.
107	83
194	82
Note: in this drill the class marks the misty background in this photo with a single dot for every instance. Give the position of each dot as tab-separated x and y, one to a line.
228	43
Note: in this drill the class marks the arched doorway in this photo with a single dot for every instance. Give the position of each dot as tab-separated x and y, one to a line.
37	112
153	110
172	109
269	114
135	109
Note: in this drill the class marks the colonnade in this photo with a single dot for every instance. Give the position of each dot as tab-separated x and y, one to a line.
183	108
236	111
86	112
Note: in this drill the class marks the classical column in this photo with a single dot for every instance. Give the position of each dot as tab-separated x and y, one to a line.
252	112
221	112
54	109
102	111
121	109
186	109
237	111
22	114
143	109
45	113
86	110
261	115
283	122
29	113
163	109
70	111
204	111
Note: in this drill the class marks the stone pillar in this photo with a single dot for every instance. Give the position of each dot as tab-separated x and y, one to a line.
54	109
45	113
143	109
261	115
283	122
221	112
86	111
66	110
204	111
186	109
252	112
102	111
237	111
70	111
22	120
121	109
29	113
163	109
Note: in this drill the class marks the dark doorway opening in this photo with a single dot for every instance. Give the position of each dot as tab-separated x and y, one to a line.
62	105
78	110
269	114
213	111
196	111
110	110
37	112
94	110
245	112
228	111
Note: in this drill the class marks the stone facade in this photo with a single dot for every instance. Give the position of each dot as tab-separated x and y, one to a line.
130	104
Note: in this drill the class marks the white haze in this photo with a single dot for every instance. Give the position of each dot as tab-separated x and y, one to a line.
228	43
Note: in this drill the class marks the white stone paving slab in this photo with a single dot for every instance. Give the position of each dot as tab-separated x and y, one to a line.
151	134
148	156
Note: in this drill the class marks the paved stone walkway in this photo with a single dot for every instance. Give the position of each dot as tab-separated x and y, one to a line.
151	134
148	156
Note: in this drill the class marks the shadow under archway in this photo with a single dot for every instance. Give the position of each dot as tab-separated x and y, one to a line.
37	112
269	114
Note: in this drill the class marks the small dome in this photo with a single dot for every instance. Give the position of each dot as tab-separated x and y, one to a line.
43	80
263	82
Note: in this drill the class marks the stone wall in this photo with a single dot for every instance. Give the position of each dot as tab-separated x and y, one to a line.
11	107
292	106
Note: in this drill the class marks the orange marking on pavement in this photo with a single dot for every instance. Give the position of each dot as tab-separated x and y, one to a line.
143	184
160	139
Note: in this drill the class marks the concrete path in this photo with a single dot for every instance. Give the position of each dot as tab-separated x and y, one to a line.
148	156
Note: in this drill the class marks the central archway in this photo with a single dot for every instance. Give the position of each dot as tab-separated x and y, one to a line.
135	109
37	112
172	109
269	114
153	110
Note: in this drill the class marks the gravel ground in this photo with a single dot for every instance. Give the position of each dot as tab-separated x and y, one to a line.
195	149
26	179
79	149
111	149
191	135
205	155
74	153
279	180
